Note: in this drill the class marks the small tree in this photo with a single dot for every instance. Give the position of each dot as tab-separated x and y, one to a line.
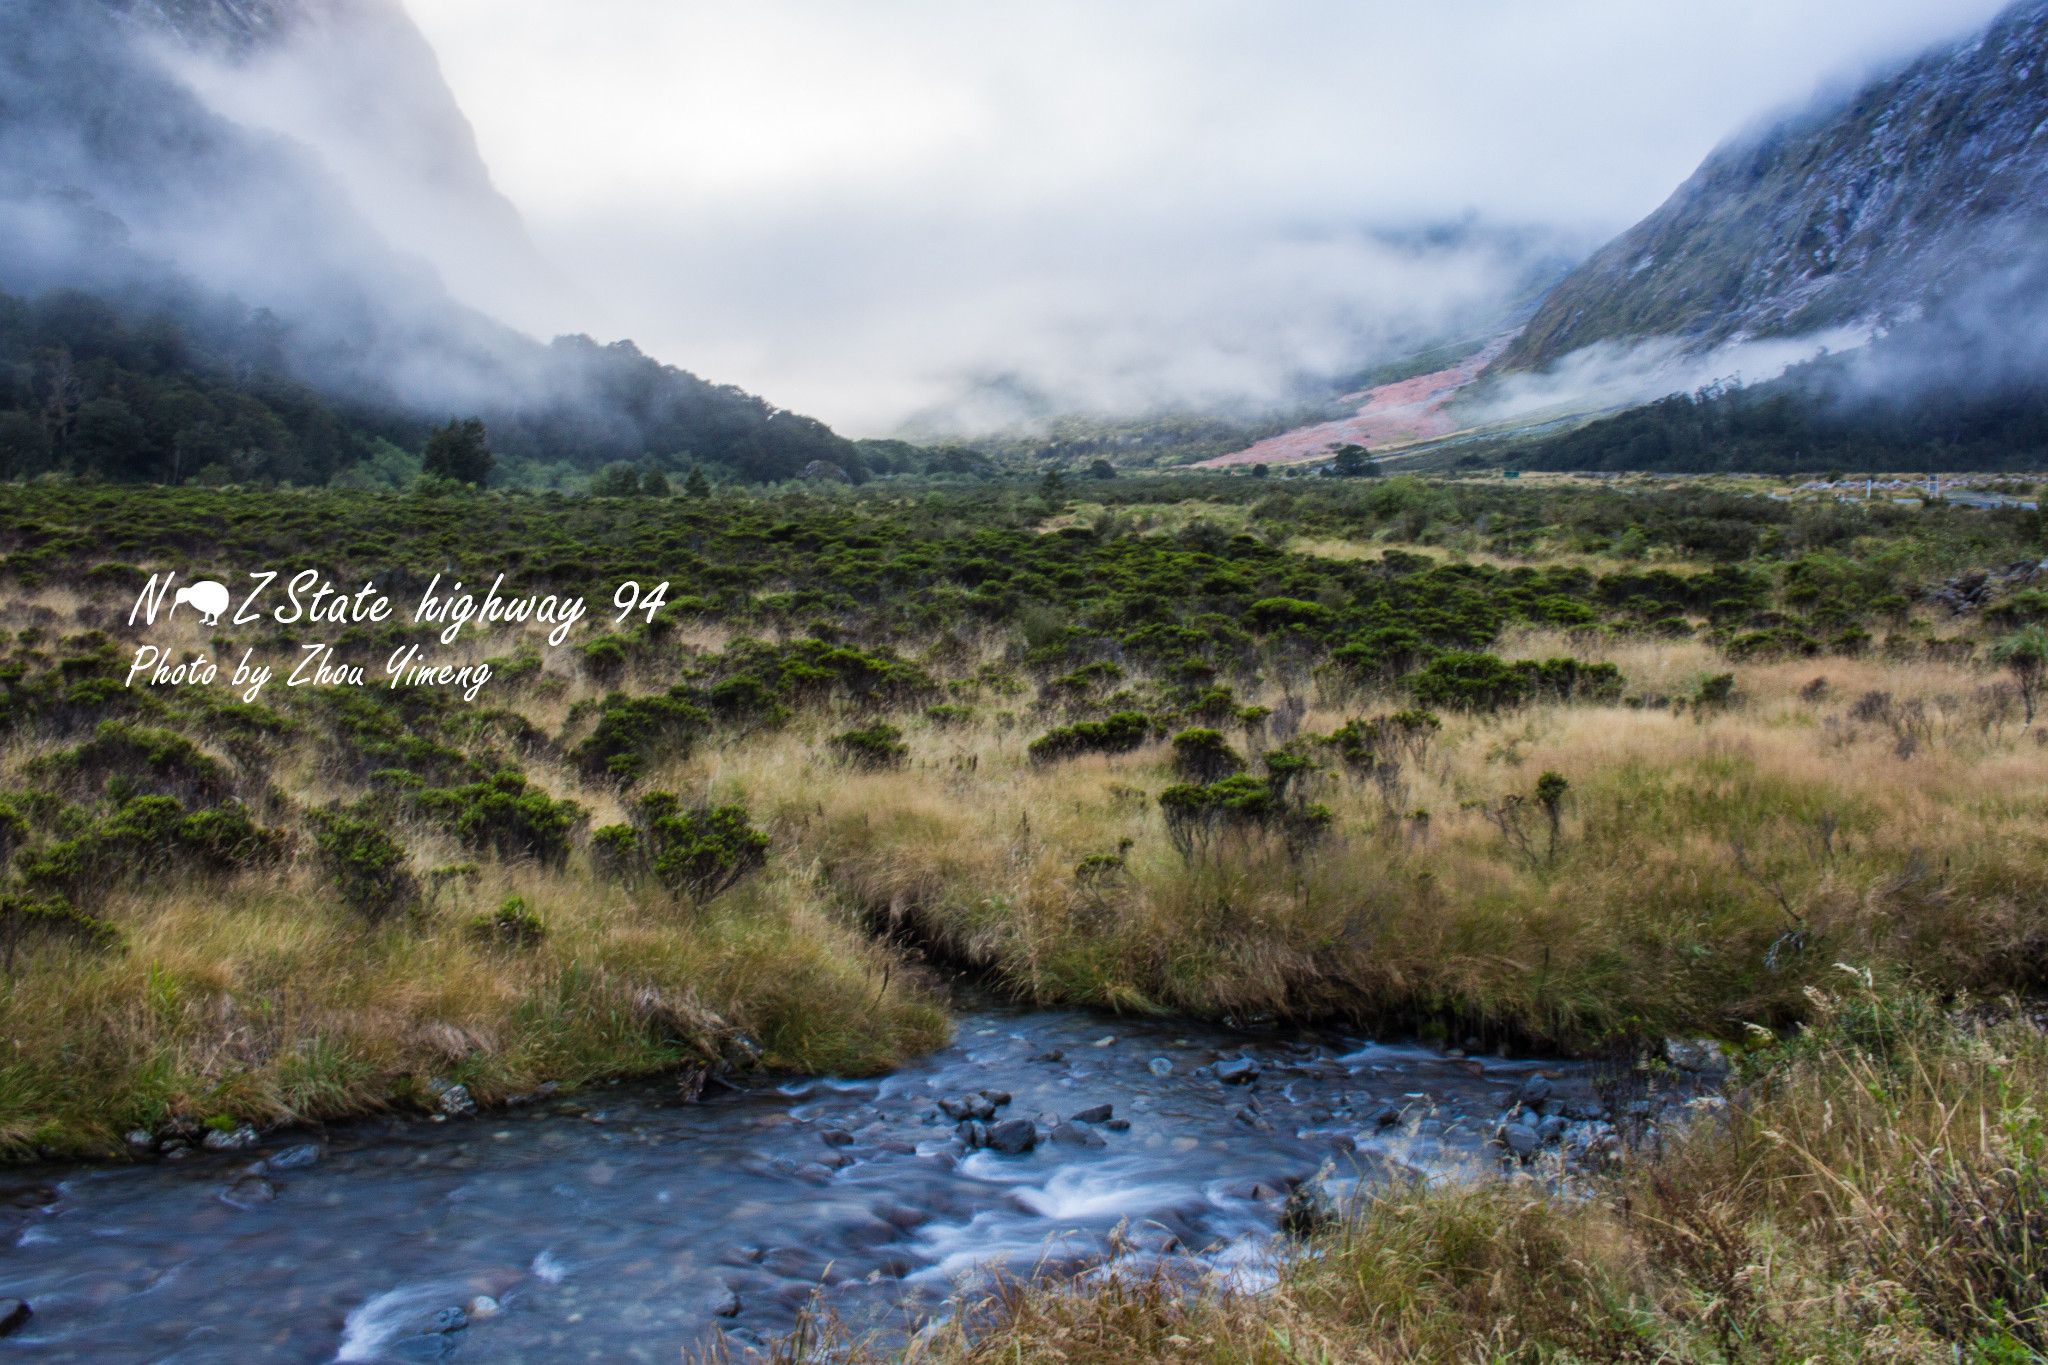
654	484
1102	469
1053	488
2024	653
458	451
1352	461
697	486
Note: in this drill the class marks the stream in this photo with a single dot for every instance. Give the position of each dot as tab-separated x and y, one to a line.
622	1224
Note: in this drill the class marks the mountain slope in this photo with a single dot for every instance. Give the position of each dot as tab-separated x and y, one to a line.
1919	187
118	179
356	84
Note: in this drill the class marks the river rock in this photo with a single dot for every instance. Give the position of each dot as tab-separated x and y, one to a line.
723	1304
973	1133
451	1099
450	1320
1551	1130
1077	1135
232	1140
1310	1206
291	1158
483	1306
1696	1054
836	1137
1519	1139
1385	1116
998	1098
1160	1066
1535	1090
1250	1119
1117	1125
1012	1137
1094	1113
968	1107
14	1314
249	1193
1055	1055
141	1140
1237	1071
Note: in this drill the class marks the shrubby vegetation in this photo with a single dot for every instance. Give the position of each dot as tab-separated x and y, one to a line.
1559	765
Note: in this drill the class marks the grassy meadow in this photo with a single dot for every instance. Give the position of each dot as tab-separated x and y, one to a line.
1557	769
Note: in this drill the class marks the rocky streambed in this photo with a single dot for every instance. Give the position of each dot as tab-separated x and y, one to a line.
625	1223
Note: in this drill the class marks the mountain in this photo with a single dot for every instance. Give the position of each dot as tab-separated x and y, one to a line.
1923	190
211	253
356	84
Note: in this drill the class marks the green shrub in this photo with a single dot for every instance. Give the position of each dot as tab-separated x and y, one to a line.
633	731
366	867
1204	755
949	713
24	917
1460	681
1117	734
507	816
511	925
1195	812
698	853
878	746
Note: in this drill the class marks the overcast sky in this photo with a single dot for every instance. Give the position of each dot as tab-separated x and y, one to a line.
858	209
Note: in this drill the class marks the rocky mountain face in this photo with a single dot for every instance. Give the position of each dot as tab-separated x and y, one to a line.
1923	189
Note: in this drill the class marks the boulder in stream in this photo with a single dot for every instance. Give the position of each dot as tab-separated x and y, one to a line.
1012	1137
1094	1113
14	1314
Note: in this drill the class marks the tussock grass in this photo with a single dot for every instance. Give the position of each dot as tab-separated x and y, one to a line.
260	1000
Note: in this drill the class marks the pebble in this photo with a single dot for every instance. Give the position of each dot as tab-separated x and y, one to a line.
836	1137
142	1139
1160	1066
483	1306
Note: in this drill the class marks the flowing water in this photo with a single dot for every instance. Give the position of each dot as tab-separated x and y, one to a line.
622	1224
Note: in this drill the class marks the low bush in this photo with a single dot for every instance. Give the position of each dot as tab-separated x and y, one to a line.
510	925
878	746
1204	755
364	865
696	853
508	816
1117	734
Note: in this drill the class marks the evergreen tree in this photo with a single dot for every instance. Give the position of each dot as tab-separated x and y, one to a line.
1351	461
458	451
1102	469
697	486
654	484
1054	489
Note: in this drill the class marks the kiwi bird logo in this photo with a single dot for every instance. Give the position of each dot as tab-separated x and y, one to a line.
207	598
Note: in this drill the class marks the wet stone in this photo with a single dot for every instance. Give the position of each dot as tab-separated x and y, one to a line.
14	1315
723	1304
1013	1137
1076	1135
1535	1090
1160	1066
1094	1113
1237	1071
836	1137
233	1140
292	1158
